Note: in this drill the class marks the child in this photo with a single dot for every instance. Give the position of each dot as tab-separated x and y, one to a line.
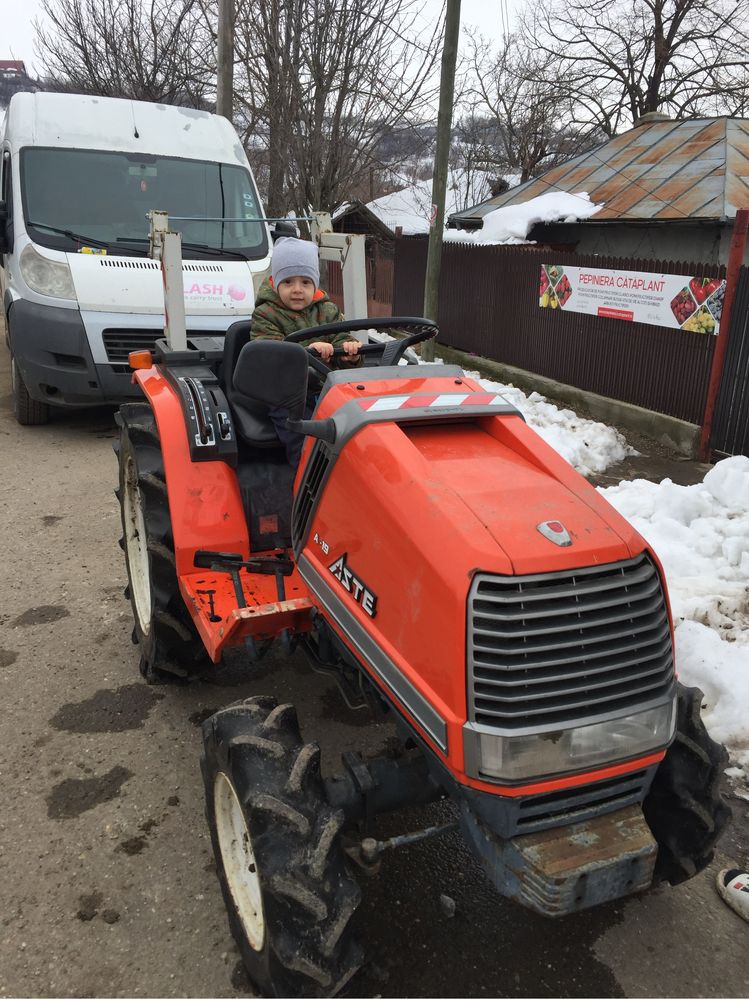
291	300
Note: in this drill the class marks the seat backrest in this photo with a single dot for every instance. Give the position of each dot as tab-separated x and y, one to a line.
274	374
236	337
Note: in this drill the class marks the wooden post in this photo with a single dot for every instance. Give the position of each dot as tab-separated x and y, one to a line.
735	260
439	181
225	59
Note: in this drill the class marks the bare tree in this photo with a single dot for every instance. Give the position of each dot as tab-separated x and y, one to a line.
624	58
519	95
321	82
151	50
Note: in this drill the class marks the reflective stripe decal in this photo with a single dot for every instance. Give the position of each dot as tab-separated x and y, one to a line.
400	686
448	400
389	402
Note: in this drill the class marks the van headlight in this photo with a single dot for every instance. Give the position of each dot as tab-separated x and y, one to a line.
546	754
46	277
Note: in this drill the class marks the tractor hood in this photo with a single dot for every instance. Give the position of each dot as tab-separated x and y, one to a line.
415	498
539	517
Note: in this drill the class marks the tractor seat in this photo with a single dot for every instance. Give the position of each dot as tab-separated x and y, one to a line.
251	420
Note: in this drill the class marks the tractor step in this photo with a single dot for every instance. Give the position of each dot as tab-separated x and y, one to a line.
216	607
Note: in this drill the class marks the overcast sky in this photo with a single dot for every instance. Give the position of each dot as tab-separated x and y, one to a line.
17	32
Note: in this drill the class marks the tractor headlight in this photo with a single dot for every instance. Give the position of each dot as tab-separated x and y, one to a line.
46	277
547	754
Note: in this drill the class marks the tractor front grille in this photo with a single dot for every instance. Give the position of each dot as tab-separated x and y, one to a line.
553	649
119	342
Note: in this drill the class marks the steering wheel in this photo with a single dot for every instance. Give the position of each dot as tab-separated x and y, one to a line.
386	353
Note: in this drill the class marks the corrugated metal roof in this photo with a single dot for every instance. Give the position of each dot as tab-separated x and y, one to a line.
665	170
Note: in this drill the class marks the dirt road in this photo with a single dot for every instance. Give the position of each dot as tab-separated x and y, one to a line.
106	875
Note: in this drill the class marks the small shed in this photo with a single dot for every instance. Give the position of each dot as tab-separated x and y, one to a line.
669	189
356	218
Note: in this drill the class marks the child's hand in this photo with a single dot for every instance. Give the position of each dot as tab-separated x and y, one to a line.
324	349
351	347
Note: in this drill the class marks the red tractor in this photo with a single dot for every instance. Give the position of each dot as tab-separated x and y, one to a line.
435	556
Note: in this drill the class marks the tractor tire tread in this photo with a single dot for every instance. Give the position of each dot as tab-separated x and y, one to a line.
685	808
171	649
310	949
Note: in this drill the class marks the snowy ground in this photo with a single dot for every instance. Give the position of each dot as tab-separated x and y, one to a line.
701	535
589	446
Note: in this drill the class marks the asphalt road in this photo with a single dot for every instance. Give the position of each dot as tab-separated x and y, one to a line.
106	875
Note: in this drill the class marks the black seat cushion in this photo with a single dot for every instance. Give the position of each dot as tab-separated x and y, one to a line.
252	421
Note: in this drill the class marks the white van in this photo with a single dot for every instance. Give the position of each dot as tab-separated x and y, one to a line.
79	291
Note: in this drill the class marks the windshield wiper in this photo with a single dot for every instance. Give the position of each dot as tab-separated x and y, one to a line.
75	236
220	250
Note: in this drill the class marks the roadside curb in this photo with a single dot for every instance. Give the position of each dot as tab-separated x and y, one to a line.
678	435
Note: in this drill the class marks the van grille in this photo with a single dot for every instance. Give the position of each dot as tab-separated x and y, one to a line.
309	491
118	343
550	649
140	264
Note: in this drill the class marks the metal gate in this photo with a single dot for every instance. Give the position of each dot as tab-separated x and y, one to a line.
731	424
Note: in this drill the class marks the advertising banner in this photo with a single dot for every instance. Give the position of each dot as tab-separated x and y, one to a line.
671	300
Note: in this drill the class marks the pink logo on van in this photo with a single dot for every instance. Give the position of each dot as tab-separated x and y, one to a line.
236	293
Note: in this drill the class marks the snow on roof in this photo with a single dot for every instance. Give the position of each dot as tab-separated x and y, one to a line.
513	223
410	207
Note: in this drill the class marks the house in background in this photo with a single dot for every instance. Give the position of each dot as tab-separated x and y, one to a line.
408	210
12	69
670	190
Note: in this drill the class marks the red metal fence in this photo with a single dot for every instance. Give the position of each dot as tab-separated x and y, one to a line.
489	306
730	431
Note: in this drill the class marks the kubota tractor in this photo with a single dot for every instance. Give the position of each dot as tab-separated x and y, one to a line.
436	555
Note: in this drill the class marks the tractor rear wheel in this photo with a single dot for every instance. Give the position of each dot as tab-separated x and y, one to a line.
170	647
684	807
279	861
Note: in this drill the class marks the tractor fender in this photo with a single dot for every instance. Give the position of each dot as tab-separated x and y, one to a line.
205	504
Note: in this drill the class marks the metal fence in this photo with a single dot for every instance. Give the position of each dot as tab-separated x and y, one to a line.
731	425
489	306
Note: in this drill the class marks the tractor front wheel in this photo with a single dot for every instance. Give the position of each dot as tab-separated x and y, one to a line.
170	647
280	865
684	807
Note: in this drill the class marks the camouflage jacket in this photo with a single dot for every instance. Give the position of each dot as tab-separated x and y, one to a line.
271	320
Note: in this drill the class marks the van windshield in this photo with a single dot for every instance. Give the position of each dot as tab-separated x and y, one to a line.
105	195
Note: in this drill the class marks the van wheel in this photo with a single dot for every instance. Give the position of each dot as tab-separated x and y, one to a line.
26	410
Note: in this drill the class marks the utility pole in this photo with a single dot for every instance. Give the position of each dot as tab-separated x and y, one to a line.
225	59
439	181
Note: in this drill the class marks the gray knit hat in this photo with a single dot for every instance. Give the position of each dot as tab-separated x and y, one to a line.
294	258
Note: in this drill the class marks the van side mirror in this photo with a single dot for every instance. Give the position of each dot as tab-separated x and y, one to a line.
6	244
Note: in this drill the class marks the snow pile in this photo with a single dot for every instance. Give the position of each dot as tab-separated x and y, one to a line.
588	446
701	535
511	224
